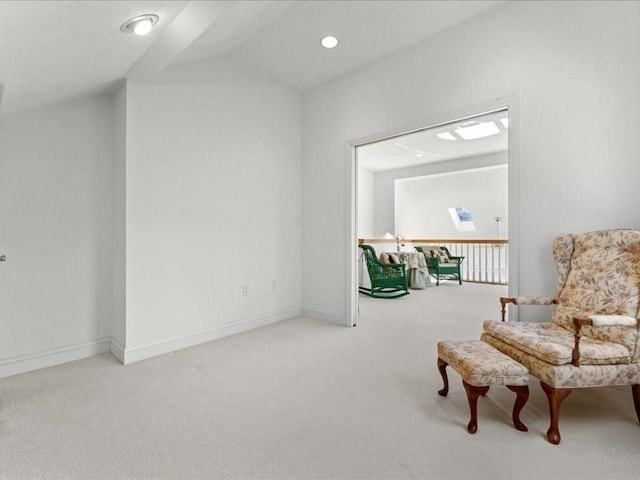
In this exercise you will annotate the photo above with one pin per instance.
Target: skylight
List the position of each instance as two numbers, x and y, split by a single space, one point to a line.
461 217
478 130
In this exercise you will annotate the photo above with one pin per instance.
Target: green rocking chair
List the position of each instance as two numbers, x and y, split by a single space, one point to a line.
388 280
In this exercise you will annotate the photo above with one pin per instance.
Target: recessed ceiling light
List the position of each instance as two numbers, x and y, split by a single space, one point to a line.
329 41
140 25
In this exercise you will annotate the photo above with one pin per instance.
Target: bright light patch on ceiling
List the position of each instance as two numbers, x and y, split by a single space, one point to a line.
446 136
329 41
504 122
143 27
479 130
140 25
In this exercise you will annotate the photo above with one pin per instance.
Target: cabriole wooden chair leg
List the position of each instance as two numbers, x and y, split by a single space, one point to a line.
442 366
555 396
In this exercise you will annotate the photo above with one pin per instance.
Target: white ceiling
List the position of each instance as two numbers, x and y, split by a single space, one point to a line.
55 50
424 146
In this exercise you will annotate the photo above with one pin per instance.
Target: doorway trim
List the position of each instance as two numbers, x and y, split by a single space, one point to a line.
509 103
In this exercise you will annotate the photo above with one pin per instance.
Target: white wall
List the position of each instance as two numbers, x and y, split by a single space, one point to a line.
131 221
573 67
422 203
385 184
212 203
366 203
55 221
119 198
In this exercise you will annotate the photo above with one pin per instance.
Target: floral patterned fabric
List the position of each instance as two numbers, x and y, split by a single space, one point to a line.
598 274
480 364
534 301
411 259
603 279
562 252
554 344
417 271
613 321
568 376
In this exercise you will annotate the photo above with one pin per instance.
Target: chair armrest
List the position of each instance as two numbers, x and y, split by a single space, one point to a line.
457 260
613 321
535 301
577 333
597 321
524 301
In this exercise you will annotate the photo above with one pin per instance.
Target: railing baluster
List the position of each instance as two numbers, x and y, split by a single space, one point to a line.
493 264
499 264
476 261
506 263
466 277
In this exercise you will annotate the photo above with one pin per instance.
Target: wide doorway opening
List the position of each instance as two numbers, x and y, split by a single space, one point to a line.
445 185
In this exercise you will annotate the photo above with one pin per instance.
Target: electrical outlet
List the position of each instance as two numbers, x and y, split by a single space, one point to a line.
245 290
274 285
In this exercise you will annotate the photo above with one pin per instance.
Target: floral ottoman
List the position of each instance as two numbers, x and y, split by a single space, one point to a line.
480 365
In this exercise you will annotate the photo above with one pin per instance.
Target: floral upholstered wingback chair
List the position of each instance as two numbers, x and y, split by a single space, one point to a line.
592 339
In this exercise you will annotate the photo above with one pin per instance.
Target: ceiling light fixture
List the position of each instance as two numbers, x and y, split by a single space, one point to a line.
140 25
479 130
329 41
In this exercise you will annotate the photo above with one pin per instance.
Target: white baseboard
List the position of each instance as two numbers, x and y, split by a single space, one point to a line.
130 355
116 350
49 358
26 363
325 317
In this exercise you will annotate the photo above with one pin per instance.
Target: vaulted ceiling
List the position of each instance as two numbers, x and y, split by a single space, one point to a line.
55 50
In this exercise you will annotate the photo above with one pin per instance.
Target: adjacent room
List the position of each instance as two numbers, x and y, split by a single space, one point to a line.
442 186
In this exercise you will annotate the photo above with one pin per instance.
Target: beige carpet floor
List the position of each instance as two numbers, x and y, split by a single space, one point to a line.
303 399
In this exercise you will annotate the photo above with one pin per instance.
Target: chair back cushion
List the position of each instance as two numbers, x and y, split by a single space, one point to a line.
599 274
562 253
431 251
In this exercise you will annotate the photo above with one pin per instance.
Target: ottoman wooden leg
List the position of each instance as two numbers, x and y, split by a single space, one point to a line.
635 391
442 365
522 395
472 396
